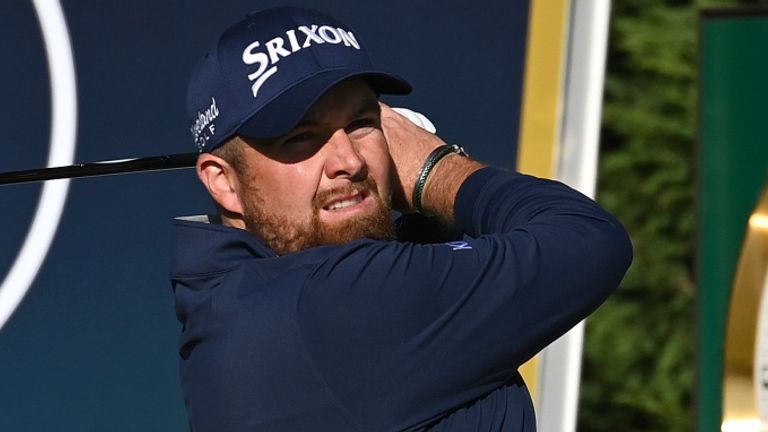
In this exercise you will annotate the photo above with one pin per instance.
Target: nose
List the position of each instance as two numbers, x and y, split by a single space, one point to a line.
343 158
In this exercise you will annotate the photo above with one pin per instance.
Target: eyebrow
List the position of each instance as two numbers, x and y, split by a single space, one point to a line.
370 104
363 106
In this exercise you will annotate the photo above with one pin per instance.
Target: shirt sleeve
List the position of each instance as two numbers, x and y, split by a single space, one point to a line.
430 327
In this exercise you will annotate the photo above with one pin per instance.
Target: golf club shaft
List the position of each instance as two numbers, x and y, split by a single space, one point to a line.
93 169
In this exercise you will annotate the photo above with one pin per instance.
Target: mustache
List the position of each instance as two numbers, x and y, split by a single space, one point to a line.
368 184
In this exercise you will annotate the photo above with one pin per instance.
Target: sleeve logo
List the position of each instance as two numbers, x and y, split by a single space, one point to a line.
458 245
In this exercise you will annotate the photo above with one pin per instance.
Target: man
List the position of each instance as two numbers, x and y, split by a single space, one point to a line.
304 307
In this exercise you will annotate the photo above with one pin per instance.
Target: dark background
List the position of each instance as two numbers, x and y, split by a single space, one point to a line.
93 345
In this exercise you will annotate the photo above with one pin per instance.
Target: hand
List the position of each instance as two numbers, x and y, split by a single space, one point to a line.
409 146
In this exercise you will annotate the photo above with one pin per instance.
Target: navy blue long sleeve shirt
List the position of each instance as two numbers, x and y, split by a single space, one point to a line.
391 335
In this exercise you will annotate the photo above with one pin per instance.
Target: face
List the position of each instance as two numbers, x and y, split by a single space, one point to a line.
327 181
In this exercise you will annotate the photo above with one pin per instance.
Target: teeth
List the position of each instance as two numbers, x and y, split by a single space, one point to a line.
344 203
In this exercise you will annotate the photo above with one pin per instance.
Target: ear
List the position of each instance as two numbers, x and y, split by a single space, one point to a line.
222 183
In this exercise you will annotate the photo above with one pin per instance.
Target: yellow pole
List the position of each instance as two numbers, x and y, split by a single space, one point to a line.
540 123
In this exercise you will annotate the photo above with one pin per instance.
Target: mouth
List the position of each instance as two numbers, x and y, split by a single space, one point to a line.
345 202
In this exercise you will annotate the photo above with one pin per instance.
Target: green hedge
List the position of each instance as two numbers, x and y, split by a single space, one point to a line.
639 366
638 359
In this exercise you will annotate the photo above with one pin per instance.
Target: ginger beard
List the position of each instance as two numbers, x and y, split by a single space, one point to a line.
286 236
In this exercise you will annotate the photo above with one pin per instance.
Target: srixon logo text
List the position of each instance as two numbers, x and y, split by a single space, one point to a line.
295 40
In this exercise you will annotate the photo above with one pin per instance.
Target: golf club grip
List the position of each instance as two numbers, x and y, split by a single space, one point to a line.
93 169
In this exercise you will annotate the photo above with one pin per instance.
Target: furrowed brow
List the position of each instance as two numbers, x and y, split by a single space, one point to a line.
369 105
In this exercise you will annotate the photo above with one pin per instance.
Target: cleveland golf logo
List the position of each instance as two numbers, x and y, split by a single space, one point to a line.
203 128
276 49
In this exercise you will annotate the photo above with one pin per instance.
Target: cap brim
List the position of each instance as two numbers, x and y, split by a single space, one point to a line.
286 110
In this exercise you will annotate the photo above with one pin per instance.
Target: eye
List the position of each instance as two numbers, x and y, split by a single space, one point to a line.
361 125
298 139
298 145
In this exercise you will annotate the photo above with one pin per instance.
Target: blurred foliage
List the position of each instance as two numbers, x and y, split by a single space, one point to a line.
638 360
639 368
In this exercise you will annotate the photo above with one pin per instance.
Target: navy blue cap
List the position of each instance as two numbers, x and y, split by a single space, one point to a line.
265 72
